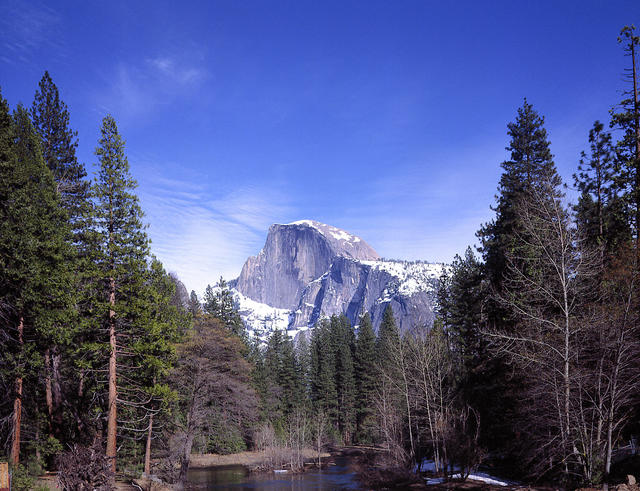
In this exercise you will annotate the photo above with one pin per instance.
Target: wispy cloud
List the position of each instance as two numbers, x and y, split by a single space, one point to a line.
429 210
25 28
136 89
176 71
202 239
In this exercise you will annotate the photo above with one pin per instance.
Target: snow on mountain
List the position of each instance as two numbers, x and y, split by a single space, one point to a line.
260 319
328 230
412 276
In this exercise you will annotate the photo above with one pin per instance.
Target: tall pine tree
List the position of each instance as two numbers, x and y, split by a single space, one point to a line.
366 379
34 282
530 167
123 248
50 118
600 211
627 120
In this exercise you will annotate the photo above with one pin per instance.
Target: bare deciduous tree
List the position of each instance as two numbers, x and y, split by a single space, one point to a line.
210 375
550 288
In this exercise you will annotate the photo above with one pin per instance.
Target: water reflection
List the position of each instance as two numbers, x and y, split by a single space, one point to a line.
334 477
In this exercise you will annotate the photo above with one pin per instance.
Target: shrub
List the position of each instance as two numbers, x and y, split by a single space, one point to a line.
85 469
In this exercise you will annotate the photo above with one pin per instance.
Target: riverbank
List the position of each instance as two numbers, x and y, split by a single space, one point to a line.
248 459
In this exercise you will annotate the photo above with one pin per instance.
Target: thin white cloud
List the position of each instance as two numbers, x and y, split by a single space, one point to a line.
202 239
176 71
25 27
137 89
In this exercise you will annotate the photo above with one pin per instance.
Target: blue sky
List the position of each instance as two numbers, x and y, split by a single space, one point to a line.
387 119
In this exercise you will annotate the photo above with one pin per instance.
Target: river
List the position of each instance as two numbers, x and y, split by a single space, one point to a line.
337 475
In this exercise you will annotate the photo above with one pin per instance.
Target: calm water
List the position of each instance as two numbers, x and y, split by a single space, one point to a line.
235 477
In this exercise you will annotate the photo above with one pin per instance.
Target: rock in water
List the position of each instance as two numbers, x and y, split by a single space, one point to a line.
307 269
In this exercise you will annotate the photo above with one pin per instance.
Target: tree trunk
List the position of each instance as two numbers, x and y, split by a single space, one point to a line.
47 390
186 457
113 389
147 454
636 122
17 405
56 391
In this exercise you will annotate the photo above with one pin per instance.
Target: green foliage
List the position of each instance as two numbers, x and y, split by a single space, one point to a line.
343 341
225 438
195 309
324 393
50 117
460 298
626 119
21 479
283 377
366 379
219 303
600 211
388 338
530 167
50 447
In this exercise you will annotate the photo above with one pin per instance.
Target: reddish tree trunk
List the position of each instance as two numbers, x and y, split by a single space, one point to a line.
56 390
147 454
47 383
17 406
113 389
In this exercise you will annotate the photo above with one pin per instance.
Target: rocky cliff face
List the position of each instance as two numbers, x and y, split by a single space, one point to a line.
307 270
293 256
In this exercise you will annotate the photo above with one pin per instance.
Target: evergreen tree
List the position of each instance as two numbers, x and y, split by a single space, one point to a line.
283 376
460 298
50 118
290 378
218 302
194 305
323 365
123 248
627 120
366 378
34 282
529 173
600 213
388 338
343 346
159 326
531 166
209 303
479 375
303 357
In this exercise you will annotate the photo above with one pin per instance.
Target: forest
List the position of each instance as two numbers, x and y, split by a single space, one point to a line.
532 365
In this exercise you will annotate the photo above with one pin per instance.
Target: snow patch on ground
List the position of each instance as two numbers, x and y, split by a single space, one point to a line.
430 466
486 478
